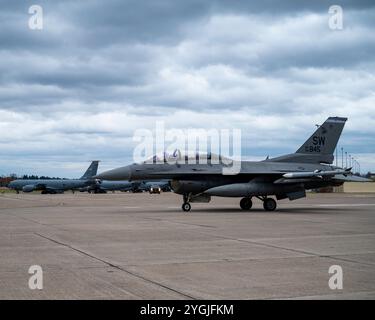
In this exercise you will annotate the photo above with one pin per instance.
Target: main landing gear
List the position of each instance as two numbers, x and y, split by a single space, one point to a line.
269 204
48 192
246 203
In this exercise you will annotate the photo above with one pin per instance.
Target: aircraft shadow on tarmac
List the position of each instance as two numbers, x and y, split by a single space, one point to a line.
295 210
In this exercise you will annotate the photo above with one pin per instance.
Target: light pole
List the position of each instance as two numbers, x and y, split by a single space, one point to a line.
346 159
336 158
342 157
358 168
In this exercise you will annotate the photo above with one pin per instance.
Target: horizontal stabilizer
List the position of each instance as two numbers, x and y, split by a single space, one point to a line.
351 178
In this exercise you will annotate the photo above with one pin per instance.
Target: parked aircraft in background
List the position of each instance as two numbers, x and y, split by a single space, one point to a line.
288 176
155 186
103 186
56 185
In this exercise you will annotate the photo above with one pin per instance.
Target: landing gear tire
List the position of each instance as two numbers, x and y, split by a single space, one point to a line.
269 204
246 203
186 206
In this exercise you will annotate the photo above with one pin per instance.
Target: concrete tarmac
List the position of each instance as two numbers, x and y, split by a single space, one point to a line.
142 246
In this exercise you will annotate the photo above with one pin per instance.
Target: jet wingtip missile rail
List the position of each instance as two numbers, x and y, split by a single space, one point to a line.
316 173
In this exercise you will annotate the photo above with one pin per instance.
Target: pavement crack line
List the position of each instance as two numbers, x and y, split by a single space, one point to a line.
116 266
28 219
297 251
36 222
180 222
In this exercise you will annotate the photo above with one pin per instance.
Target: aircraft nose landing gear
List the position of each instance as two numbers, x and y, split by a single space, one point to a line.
186 206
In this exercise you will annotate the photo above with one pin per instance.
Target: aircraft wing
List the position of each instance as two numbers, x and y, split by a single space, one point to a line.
337 175
246 171
40 186
43 186
351 178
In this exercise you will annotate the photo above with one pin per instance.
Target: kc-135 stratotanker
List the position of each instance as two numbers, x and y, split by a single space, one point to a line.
287 176
56 185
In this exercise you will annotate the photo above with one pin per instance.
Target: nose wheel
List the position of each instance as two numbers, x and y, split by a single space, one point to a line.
186 206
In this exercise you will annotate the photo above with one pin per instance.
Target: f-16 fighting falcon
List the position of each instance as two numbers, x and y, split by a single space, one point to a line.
56 185
288 176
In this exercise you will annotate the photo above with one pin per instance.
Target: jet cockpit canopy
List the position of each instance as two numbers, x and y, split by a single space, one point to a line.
187 157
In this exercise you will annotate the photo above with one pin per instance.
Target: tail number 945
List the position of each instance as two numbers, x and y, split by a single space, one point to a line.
312 149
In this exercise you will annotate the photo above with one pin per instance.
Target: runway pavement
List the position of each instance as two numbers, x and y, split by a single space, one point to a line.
142 246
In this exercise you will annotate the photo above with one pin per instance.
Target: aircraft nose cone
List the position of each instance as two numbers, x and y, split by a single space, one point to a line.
123 173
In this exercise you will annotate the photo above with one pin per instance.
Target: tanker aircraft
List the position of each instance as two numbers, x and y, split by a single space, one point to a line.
56 185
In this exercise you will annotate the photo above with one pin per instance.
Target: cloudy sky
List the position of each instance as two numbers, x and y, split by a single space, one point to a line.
78 89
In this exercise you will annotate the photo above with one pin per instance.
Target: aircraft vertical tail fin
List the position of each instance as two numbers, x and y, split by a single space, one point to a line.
319 148
323 141
91 170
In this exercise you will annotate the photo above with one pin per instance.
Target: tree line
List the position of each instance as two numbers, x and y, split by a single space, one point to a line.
4 180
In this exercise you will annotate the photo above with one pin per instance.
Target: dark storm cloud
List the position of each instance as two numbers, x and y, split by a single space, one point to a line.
94 45
100 69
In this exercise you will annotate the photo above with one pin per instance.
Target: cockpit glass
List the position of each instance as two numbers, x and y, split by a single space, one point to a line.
186 157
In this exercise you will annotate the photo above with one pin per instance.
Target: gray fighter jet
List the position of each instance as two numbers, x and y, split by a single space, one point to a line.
56 185
285 177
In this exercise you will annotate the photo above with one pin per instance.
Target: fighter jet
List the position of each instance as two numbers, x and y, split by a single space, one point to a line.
284 177
56 185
